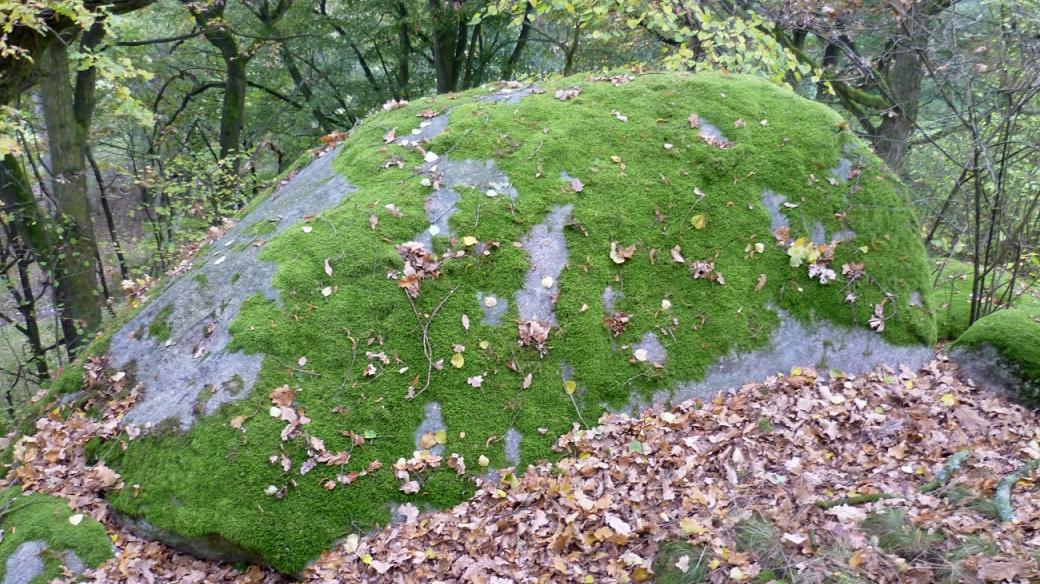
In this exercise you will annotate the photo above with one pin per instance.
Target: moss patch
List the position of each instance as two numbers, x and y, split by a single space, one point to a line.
643 181
159 328
46 518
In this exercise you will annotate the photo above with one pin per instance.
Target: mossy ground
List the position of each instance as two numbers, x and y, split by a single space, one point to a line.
212 479
46 518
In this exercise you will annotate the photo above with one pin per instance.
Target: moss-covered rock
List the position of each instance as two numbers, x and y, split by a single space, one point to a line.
41 534
595 248
1002 351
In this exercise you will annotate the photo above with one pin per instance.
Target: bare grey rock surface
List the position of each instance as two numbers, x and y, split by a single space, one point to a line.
192 372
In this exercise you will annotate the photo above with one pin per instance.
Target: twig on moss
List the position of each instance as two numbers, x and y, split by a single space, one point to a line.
425 325
1003 496
946 472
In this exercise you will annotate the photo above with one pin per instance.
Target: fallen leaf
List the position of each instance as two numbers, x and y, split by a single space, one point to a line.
619 254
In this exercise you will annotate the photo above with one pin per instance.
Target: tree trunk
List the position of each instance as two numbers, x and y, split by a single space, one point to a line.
444 40
124 271
404 53
305 90
28 237
521 41
232 113
75 266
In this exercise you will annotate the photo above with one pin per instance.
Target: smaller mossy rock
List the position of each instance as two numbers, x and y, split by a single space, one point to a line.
952 298
1002 351
593 248
41 535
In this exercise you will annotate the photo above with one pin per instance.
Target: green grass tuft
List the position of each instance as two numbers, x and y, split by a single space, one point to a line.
672 552
896 534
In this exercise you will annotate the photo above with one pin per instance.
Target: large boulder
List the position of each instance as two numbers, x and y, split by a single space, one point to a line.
470 275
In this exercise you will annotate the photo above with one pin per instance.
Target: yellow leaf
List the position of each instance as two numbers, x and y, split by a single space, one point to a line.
569 386
484 345
366 559
691 526
469 240
441 436
698 221
714 564
948 400
457 360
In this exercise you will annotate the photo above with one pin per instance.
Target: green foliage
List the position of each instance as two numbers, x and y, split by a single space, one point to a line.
46 518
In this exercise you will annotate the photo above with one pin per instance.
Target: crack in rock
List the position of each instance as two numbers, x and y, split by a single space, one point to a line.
192 373
546 249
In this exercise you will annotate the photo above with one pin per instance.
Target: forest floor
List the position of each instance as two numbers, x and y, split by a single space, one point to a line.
799 478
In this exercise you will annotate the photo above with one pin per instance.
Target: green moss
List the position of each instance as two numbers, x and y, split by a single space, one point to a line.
201 278
212 479
70 380
159 328
41 517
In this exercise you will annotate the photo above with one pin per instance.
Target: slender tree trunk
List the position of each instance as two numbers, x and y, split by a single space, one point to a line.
29 238
572 50
124 272
405 52
471 55
305 90
76 266
232 113
521 42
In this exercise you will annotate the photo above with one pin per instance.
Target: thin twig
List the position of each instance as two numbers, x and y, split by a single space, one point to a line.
427 349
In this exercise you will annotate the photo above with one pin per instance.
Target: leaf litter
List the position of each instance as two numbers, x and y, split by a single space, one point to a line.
816 457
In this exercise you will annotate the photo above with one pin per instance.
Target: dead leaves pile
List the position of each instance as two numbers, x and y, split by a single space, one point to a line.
419 264
692 473
774 449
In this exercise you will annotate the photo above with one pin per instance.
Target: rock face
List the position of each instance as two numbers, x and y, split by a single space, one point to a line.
470 275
